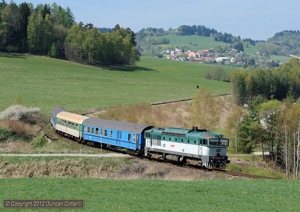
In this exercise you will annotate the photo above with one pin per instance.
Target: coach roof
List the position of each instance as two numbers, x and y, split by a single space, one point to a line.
71 117
116 125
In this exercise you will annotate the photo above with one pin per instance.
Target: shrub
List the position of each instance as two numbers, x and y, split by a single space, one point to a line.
21 113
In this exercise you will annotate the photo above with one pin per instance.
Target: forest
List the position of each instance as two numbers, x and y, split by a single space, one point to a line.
271 119
52 30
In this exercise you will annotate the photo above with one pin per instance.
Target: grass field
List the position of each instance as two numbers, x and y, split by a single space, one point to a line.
192 42
153 195
44 82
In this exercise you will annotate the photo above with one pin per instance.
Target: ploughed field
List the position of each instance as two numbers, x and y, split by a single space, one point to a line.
45 83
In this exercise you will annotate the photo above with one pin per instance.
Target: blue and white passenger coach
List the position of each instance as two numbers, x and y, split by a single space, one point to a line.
115 133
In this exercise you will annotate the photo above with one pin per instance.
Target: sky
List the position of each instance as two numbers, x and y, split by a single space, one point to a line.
255 19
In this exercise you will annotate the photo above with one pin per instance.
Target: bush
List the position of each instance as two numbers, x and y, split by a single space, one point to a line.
39 141
21 113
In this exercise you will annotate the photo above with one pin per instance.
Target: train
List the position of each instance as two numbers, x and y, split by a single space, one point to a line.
193 146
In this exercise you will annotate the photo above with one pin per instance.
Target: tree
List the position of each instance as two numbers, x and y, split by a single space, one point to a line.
74 43
291 125
9 27
269 116
239 47
206 110
238 80
92 46
24 13
232 125
53 51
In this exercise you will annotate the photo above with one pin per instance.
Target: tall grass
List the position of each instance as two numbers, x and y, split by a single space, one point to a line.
176 114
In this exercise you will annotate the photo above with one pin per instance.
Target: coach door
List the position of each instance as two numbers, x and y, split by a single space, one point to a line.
119 136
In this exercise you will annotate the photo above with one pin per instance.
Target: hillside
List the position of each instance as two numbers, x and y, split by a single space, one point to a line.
44 82
157 42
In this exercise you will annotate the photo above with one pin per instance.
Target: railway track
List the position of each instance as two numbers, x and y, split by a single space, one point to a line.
53 137
231 173
239 174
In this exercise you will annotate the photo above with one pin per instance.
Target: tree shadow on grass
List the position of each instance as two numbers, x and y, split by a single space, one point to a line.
126 68
12 55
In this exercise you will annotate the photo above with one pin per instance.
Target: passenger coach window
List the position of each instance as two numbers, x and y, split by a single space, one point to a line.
134 138
89 130
111 133
97 131
93 130
129 137
85 129
105 132
100 132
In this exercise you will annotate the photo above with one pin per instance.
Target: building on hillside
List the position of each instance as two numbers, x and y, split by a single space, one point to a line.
222 59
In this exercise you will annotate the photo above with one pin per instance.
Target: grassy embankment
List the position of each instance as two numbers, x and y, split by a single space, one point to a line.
153 195
45 83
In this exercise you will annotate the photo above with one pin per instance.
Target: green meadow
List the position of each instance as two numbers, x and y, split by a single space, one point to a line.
45 83
192 42
155 195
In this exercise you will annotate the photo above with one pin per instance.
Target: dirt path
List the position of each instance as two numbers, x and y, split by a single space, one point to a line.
67 155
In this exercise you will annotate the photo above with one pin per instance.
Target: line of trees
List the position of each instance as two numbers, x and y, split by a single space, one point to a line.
51 30
208 32
268 83
88 44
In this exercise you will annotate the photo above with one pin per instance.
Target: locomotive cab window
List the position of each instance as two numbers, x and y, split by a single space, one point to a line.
214 142
224 142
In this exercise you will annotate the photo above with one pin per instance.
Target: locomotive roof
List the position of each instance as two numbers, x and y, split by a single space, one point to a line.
117 125
190 133
71 117
57 110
